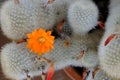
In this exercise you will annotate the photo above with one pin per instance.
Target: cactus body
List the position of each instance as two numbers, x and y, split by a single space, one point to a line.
109 54
16 57
19 19
67 52
83 16
110 57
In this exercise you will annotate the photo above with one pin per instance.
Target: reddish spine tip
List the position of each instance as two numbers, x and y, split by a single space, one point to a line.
109 39
23 40
50 72
60 25
101 25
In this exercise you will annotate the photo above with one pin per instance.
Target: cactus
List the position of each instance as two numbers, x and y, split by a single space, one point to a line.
72 48
16 57
22 18
109 57
109 52
48 17
83 16
69 53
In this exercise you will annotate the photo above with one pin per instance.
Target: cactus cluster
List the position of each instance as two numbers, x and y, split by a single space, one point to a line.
79 42
16 58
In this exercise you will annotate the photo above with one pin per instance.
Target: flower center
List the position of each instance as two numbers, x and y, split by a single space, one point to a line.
41 39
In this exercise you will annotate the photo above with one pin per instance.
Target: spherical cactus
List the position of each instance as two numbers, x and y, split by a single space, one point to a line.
83 16
109 46
16 59
109 56
24 17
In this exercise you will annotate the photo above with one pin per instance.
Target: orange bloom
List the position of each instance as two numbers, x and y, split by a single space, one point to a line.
40 41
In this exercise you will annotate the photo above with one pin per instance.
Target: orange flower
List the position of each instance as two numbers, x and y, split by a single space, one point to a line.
40 41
